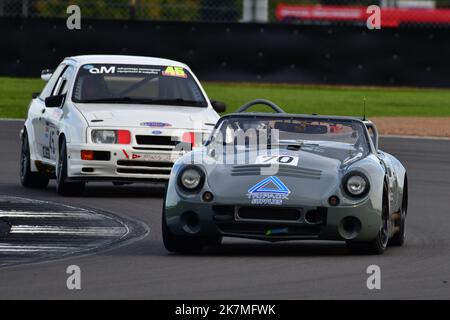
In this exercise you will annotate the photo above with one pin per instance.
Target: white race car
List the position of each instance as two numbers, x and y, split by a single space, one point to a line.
121 119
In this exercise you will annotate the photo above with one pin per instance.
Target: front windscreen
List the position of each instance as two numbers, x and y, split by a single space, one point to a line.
328 137
141 84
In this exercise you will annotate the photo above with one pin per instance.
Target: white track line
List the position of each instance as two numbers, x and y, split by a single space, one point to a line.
414 137
36 248
12 120
28 214
88 231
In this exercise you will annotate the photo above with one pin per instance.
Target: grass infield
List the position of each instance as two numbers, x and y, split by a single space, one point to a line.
15 95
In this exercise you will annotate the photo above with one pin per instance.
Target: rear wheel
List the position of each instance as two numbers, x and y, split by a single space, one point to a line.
28 178
63 187
379 244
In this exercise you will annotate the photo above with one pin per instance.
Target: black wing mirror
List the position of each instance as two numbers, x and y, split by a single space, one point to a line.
54 101
34 95
218 106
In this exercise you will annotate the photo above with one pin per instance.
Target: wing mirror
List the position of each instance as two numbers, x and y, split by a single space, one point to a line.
218 106
34 95
46 74
54 101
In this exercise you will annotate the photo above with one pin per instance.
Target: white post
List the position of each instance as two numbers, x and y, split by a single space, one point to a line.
261 11
247 11
25 8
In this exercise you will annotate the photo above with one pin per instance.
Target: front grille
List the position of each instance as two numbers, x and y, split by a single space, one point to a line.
131 163
283 170
142 171
261 230
269 213
144 167
156 140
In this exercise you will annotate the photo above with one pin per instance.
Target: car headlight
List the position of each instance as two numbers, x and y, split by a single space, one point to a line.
191 178
356 184
111 136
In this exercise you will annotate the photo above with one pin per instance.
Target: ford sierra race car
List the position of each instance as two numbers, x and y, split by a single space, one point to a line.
121 119
279 176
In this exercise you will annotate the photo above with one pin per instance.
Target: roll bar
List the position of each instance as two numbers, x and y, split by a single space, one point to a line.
268 103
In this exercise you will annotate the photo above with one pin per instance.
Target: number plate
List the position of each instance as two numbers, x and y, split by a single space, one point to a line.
153 157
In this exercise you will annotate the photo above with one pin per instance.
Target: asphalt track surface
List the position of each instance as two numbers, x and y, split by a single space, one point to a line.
243 269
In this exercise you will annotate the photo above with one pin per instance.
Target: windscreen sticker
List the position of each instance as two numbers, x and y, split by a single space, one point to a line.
270 191
174 72
112 69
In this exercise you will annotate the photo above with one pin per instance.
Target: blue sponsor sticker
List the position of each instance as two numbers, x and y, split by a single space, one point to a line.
156 132
155 124
276 231
270 191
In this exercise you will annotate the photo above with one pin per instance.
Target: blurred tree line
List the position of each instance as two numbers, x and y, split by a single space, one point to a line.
180 10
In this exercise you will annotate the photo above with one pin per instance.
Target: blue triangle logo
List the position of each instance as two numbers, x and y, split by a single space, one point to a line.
270 185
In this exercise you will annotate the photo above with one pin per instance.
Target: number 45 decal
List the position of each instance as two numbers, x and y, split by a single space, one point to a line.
282 159
174 72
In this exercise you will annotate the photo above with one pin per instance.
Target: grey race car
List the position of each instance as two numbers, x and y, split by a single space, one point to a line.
279 176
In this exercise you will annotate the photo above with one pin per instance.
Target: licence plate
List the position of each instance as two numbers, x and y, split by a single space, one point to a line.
153 157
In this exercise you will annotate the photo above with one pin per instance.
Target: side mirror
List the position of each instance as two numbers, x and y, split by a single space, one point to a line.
218 106
46 74
34 95
54 101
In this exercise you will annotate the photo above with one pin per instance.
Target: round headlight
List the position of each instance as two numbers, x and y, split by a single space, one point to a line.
104 136
356 184
191 178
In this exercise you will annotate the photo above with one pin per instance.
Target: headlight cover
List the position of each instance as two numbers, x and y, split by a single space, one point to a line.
104 136
191 178
356 184
111 136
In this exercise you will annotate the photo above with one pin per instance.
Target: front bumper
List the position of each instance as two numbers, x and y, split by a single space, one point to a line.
336 225
124 164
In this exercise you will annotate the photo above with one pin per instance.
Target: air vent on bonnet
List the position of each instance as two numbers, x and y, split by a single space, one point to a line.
283 170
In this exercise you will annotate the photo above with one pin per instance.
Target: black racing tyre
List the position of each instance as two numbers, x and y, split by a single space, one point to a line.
379 244
184 244
63 187
28 178
399 237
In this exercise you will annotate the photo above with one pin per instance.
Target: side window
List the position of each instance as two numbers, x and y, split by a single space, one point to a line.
51 83
62 84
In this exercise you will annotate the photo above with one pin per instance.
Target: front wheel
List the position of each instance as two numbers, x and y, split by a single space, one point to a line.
63 187
379 244
399 237
28 178
185 244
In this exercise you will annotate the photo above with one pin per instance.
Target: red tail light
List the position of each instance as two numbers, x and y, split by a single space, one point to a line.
123 137
189 137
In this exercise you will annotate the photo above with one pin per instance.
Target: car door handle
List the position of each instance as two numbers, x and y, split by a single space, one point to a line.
43 110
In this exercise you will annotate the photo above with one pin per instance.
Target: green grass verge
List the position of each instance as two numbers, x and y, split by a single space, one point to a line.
15 95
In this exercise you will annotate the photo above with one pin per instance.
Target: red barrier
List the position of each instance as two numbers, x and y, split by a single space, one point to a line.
390 17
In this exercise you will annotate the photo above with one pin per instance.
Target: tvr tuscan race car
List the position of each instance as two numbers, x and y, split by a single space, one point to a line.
122 119
279 176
